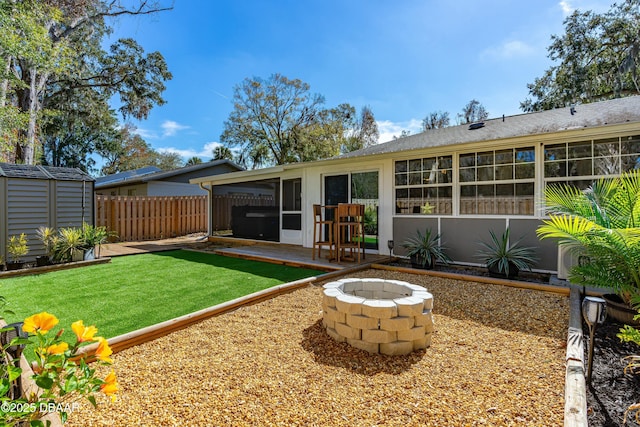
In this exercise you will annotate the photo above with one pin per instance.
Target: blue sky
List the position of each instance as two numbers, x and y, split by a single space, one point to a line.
402 58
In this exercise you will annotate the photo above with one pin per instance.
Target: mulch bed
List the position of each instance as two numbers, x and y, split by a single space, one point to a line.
611 391
494 361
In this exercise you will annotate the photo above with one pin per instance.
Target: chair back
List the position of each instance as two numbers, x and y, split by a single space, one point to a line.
317 213
350 212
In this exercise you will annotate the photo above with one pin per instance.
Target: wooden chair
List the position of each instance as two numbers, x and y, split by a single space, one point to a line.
349 231
322 231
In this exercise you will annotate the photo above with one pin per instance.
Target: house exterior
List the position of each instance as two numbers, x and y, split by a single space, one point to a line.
460 181
151 181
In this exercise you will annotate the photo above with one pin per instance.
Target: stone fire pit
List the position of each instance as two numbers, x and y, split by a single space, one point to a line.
380 316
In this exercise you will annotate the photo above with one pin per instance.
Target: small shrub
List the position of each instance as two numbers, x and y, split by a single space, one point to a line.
17 247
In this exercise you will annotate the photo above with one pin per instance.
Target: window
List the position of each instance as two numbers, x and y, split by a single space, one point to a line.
292 194
292 202
497 182
424 186
581 163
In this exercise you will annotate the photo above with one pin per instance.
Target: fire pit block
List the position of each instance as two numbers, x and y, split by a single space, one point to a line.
379 316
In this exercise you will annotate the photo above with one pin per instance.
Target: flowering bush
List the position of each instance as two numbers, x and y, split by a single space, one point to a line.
62 372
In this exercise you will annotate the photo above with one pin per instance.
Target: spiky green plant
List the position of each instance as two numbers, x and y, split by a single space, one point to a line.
503 255
602 223
48 237
426 248
69 242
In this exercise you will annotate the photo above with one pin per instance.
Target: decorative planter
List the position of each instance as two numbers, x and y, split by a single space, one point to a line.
416 262
15 265
42 260
77 256
618 310
90 254
495 272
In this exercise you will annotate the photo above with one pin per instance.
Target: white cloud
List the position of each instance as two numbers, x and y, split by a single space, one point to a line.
144 133
566 7
170 128
509 49
389 129
205 153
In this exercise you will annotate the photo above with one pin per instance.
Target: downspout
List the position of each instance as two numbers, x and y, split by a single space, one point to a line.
210 205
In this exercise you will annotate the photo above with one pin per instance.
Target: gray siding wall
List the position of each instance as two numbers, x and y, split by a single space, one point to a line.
30 203
71 207
461 236
27 209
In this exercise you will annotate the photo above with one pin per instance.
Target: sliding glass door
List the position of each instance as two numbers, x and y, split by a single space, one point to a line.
361 188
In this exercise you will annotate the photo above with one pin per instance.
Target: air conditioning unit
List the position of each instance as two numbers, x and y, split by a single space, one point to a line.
566 260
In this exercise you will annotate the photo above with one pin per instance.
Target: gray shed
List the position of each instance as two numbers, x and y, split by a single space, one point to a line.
34 196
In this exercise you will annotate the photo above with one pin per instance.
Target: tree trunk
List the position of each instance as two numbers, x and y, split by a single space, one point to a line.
36 86
5 83
29 147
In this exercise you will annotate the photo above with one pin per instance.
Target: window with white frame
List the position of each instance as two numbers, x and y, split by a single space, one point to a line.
583 162
497 182
424 186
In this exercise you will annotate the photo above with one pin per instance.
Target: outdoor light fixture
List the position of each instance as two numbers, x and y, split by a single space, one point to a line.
390 246
594 311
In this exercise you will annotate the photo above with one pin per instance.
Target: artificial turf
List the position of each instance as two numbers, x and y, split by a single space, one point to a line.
136 291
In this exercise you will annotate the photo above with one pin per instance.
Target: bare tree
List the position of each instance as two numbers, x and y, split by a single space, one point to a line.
435 120
474 111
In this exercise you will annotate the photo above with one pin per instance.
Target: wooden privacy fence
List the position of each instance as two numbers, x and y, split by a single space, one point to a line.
137 218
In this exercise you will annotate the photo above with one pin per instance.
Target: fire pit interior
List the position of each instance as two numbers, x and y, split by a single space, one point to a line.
380 316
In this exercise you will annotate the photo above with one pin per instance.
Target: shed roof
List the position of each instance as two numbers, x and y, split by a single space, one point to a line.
126 175
10 170
146 175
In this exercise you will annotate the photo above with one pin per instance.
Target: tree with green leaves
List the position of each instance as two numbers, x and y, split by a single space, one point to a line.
128 151
195 160
596 58
278 121
221 152
60 49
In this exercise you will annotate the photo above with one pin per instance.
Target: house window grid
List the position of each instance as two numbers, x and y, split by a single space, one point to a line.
497 182
580 163
424 186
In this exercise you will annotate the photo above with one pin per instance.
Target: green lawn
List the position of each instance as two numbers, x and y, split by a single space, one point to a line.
136 291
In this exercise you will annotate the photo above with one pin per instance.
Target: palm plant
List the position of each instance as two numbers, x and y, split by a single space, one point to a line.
425 249
504 258
602 223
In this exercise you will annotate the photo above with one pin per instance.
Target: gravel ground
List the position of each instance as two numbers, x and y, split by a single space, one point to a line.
494 361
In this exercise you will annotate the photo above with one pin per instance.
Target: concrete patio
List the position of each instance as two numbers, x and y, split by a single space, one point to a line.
242 248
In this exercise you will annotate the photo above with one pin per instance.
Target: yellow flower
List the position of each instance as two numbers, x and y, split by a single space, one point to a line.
83 333
58 348
110 386
41 322
103 351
